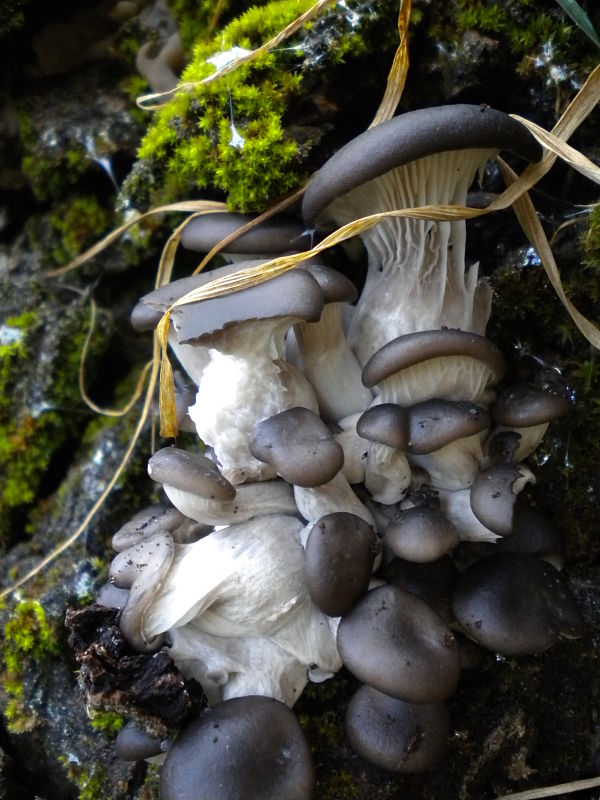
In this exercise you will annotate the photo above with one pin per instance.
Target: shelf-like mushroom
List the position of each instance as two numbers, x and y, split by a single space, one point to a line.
416 277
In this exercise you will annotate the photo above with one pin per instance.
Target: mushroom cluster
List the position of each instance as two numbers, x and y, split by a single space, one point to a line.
356 502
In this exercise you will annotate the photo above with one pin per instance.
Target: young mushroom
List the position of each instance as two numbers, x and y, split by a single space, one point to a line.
247 379
396 735
416 277
515 604
195 486
249 747
528 410
396 643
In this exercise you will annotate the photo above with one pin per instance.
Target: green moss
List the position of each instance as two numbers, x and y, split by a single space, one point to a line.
78 223
28 639
93 784
591 239
109 722
230 134
29 440
12 15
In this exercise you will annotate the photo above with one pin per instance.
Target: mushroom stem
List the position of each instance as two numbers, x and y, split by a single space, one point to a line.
331 366
337 495
416 278
251 500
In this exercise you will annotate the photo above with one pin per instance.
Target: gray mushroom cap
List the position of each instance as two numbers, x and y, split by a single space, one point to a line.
189 472
300 447
421 534
339 556
525 405
336 288
152 559
532 535
433 424
493 496
295 294
145 524
394 734
133 744
249 747
413 348
515 604
396 643
432 582
148 311
411 136
386 423
273 236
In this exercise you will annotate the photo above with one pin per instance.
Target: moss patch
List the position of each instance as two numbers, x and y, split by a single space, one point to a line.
29 641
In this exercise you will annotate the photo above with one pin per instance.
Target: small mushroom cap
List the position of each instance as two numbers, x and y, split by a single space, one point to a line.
432 582
525 405
134 744
394 734
411 136
294 294
386 423
421 534
493 496
189 472
145 524
150 308
396 643
515 604
340 551
532 535
433 424
336 288
271 237
249 747
300 447
413 348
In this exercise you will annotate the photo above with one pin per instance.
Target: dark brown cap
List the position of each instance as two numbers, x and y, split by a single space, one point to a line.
494 493
386 423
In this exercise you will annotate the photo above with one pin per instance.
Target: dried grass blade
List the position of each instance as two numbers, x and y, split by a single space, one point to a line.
190 205
580 106
569 154
527 216
553 791
397 77
107 412
48 559
147 101
270 212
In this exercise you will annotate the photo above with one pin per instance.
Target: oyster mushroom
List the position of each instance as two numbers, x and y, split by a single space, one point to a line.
396 643
515 604
394 734
195 486
416 277
247 379
245 747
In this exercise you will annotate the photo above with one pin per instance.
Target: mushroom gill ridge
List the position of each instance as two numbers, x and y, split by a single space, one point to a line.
281 561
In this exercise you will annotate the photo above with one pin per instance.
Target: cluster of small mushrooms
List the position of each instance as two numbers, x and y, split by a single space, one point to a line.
352 448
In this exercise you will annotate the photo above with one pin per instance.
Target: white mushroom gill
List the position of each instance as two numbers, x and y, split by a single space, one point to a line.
331 366
416 278
237 605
